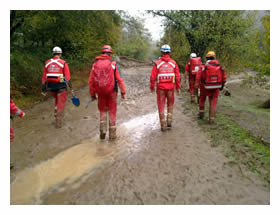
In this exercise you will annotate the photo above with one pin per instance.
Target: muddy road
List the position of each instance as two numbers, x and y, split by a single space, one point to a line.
142 166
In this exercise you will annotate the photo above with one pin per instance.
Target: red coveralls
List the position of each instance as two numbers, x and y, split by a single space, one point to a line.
165 90
107 103
14 111
58 90
191 78
212 94
193 90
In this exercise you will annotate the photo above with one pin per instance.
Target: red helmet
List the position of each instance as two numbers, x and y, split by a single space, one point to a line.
106 48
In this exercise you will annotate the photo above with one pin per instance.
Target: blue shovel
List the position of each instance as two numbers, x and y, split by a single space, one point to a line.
76 101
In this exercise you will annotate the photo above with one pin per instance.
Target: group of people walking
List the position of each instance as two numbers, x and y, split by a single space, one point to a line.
205 80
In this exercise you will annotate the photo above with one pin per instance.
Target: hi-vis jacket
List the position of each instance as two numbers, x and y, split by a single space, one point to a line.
56 73
166 73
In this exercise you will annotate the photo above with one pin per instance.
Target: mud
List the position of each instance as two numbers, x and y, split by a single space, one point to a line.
142 166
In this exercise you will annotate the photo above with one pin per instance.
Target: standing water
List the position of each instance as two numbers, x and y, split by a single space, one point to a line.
73 166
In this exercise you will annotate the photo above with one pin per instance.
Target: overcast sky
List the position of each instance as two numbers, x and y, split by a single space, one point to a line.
153 24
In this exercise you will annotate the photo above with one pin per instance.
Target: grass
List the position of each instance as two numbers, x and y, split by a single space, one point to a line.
238 144
243 106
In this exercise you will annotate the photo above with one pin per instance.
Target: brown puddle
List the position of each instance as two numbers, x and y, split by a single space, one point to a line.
74 165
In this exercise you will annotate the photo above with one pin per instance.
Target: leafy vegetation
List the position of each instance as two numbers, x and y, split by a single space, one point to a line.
80 34
233 35
135 42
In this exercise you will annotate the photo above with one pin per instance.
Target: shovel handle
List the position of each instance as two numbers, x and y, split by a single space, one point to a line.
91 100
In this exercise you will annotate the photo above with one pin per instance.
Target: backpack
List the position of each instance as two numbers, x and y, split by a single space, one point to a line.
195 65
213 74
104 77
165 72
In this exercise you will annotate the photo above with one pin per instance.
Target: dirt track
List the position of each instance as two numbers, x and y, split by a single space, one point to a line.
143 166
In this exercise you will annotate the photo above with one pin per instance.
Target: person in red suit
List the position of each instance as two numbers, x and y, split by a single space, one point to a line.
166 76
14 111
105 78
192 68
211 80
56 78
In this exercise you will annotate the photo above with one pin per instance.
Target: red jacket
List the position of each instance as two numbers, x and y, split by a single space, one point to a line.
14 110
155 72
118 77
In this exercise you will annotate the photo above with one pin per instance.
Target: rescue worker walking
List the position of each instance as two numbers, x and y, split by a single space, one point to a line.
212 79
192 68
105 77
14 111
166 73
55 78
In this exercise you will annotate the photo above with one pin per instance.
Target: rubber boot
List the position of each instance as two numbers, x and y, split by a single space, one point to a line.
192 98
169 120
103 127
55 111
198 96
169 116
201 114
112 132
58 119
211 117
163 123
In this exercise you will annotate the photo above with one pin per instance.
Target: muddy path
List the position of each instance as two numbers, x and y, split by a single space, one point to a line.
142 166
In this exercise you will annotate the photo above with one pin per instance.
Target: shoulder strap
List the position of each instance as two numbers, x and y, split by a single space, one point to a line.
116 83
222 72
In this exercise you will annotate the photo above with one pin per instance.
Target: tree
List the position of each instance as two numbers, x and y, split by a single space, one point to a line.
221 31
136 40
80 34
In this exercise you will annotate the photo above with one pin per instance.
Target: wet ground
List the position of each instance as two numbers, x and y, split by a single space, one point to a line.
244 107
142 166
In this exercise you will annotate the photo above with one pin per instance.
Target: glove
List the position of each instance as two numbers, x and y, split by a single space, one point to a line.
22 114
152 90
178 91
123 95
93 97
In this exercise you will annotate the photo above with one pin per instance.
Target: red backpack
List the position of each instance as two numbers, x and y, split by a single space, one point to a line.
213 76
104 77
195 65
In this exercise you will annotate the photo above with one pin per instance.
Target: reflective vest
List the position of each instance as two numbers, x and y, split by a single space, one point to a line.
55 73
166 72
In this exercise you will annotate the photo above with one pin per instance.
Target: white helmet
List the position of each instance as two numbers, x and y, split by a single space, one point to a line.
165 48
193 55
57 50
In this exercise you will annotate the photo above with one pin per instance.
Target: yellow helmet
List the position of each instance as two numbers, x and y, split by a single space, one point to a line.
211 54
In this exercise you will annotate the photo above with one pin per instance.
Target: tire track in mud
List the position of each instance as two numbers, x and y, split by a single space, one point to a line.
144 165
